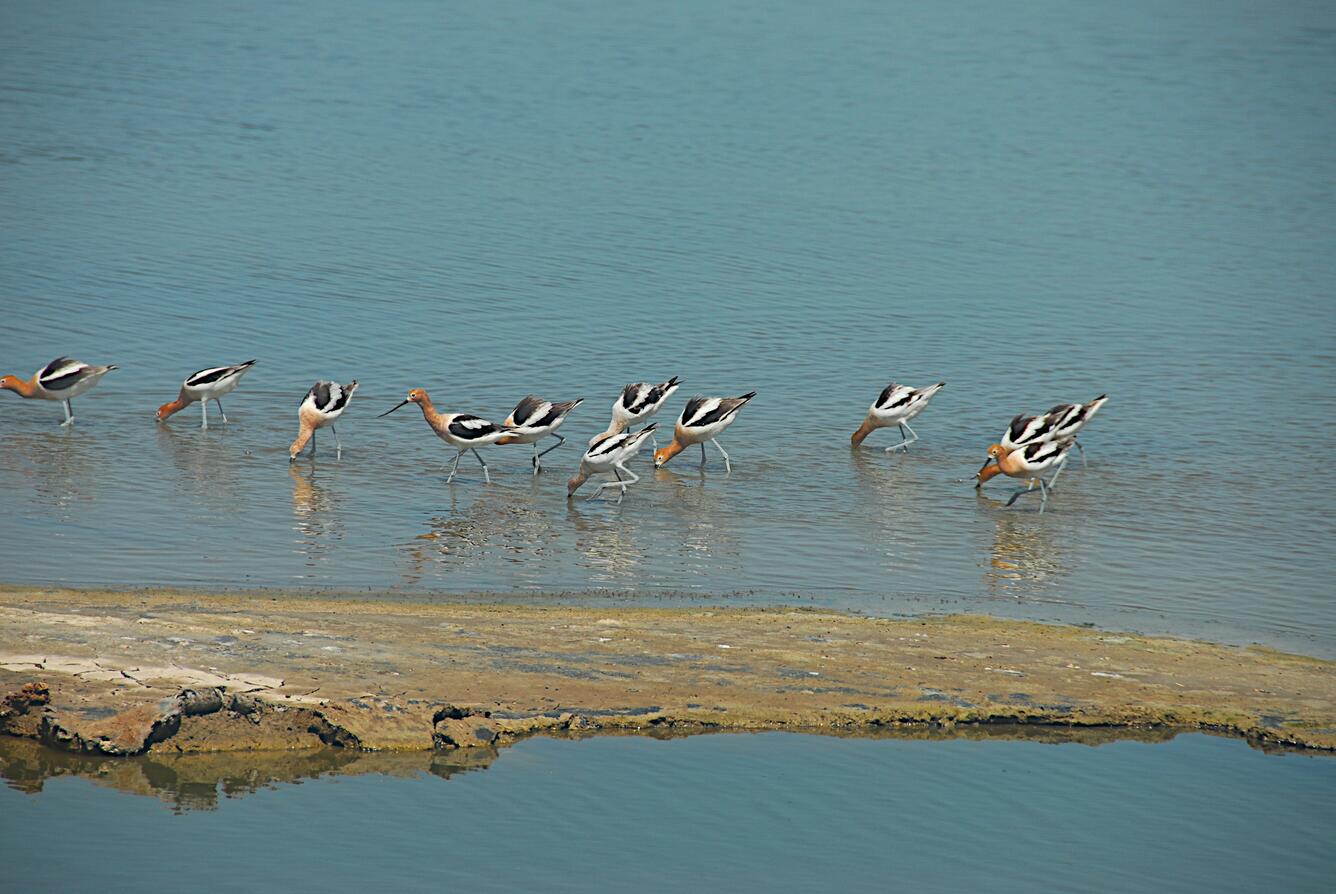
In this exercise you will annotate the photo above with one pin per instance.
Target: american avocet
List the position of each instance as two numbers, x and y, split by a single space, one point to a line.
1027 462
609 453
702 420
534 419
461 431
1059 424
637 402
204 386
896 405
62 379
322 406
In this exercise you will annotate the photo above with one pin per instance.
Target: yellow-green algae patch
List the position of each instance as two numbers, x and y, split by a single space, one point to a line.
158 672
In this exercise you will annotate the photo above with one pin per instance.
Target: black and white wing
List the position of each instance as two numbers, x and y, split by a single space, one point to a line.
701 412
893 397
62 373
641 396
330 397
536 413
216 374
472 428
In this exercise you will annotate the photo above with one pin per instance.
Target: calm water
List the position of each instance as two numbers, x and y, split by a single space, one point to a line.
776 812
1034 202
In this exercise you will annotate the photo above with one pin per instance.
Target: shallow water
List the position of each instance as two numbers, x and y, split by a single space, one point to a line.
772 812
1034 204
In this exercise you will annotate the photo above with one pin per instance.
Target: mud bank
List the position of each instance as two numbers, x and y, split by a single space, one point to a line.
118 674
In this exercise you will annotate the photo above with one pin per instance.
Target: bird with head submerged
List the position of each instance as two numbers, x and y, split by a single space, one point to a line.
702 420
204 386
609 453
323 405
62 379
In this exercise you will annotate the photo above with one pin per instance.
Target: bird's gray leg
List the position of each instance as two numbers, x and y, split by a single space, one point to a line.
313 431
1053 482
605 484
1043 500
476 455
455 467
906 440
204 410
654 440
536 466
560 441
220 409
1017 495
728 467
69 414
338 447
702 454
1080 450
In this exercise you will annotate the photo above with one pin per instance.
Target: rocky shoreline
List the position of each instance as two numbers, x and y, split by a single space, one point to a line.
172 673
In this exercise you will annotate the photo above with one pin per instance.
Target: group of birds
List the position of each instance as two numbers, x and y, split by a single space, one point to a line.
1030 447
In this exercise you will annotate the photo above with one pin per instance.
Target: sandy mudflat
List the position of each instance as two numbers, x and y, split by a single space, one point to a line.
168 672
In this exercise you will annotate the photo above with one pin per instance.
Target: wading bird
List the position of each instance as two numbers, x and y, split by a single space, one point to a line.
534 419
204 386
322 406
609 453
1059 424
702 420
637 402
62 379
1027 462
461 431
896 405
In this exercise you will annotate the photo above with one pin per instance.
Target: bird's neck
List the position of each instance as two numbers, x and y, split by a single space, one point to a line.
175 406
21 387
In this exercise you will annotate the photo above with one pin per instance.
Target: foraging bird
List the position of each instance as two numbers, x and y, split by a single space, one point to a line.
896 405
204 386
62 379
637 402
534 419
609 453
1058 424
461 431
1027 462
702 420
322 406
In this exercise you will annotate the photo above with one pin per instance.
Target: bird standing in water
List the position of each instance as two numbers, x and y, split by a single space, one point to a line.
461 431
62 379
534 419
702 420
204 386
321 407
609 453
637 402
1027 463
896 405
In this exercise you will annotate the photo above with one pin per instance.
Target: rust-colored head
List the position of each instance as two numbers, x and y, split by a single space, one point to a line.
171 407
663 454
9 383
992 465
995 451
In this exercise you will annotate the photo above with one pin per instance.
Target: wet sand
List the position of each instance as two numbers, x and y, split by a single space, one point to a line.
117 673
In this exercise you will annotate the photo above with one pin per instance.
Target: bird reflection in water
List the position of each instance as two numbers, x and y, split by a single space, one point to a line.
606 536
208 465
707 540
61 468
886 493
1028 552
316 517
483 528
